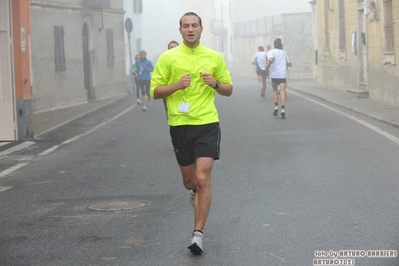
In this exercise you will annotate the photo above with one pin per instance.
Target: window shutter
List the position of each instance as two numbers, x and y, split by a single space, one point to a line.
59 47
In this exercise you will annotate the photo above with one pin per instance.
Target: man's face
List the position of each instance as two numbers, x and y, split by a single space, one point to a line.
143 55
190 30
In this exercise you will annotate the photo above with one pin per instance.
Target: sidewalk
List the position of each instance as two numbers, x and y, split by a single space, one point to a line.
47 121
383 112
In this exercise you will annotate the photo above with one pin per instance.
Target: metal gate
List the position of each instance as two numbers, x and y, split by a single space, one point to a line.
7 100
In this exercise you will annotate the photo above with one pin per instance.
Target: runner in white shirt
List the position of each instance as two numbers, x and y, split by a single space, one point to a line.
260 61
279 61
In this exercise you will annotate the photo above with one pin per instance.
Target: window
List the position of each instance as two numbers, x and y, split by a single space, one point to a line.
326 33
59 47
110 46
138 6
342 40
388 27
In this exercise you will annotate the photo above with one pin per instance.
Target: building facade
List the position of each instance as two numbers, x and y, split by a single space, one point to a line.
15 74
221 27
78 52
63 53
357 46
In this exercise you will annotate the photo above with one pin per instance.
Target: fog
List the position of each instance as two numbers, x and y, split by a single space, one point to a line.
160 19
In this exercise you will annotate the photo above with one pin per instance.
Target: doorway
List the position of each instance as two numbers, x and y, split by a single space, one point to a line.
87 63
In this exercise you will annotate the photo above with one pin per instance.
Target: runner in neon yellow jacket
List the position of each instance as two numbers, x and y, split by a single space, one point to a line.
201 64
188 76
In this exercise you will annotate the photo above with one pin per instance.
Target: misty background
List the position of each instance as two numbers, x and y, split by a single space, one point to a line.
160 19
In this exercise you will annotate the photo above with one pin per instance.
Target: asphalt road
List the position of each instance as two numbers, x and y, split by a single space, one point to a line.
284 191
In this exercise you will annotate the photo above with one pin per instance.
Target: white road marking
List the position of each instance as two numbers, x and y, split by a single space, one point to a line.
360 121
19 147
12 169
50 150
2 188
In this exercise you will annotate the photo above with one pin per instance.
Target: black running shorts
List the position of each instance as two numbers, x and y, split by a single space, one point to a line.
262 73
279 81
192 142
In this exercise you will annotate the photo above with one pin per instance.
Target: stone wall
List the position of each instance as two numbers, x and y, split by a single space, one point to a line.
296 32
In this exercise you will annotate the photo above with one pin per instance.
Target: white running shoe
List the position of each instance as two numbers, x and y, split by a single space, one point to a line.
196 242
144 108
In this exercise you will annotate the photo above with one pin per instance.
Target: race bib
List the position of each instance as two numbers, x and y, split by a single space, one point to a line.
184 108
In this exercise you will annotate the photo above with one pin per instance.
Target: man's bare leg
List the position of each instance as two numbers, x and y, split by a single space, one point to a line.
283 86
275 98
197 176
262 85
283 96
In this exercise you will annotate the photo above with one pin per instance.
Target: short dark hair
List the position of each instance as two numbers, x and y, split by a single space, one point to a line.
261 48
278 44
171 43
191 14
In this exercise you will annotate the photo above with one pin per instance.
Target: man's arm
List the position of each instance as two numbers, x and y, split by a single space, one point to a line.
254 58
150 66
271 60
224 89
163 91
289 63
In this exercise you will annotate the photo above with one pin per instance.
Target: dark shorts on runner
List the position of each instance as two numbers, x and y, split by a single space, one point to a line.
279 81
262 73
191 142
144 86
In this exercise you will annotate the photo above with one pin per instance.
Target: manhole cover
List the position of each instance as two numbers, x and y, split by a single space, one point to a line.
116 206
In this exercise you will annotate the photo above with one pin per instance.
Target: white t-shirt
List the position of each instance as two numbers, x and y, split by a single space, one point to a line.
278 69
260 58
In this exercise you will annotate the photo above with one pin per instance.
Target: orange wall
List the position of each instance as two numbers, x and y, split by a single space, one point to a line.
21 19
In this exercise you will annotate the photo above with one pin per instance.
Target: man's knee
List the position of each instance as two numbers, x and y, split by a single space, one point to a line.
203 181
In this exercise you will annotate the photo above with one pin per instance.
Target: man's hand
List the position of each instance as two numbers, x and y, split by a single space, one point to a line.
208 79
184 82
